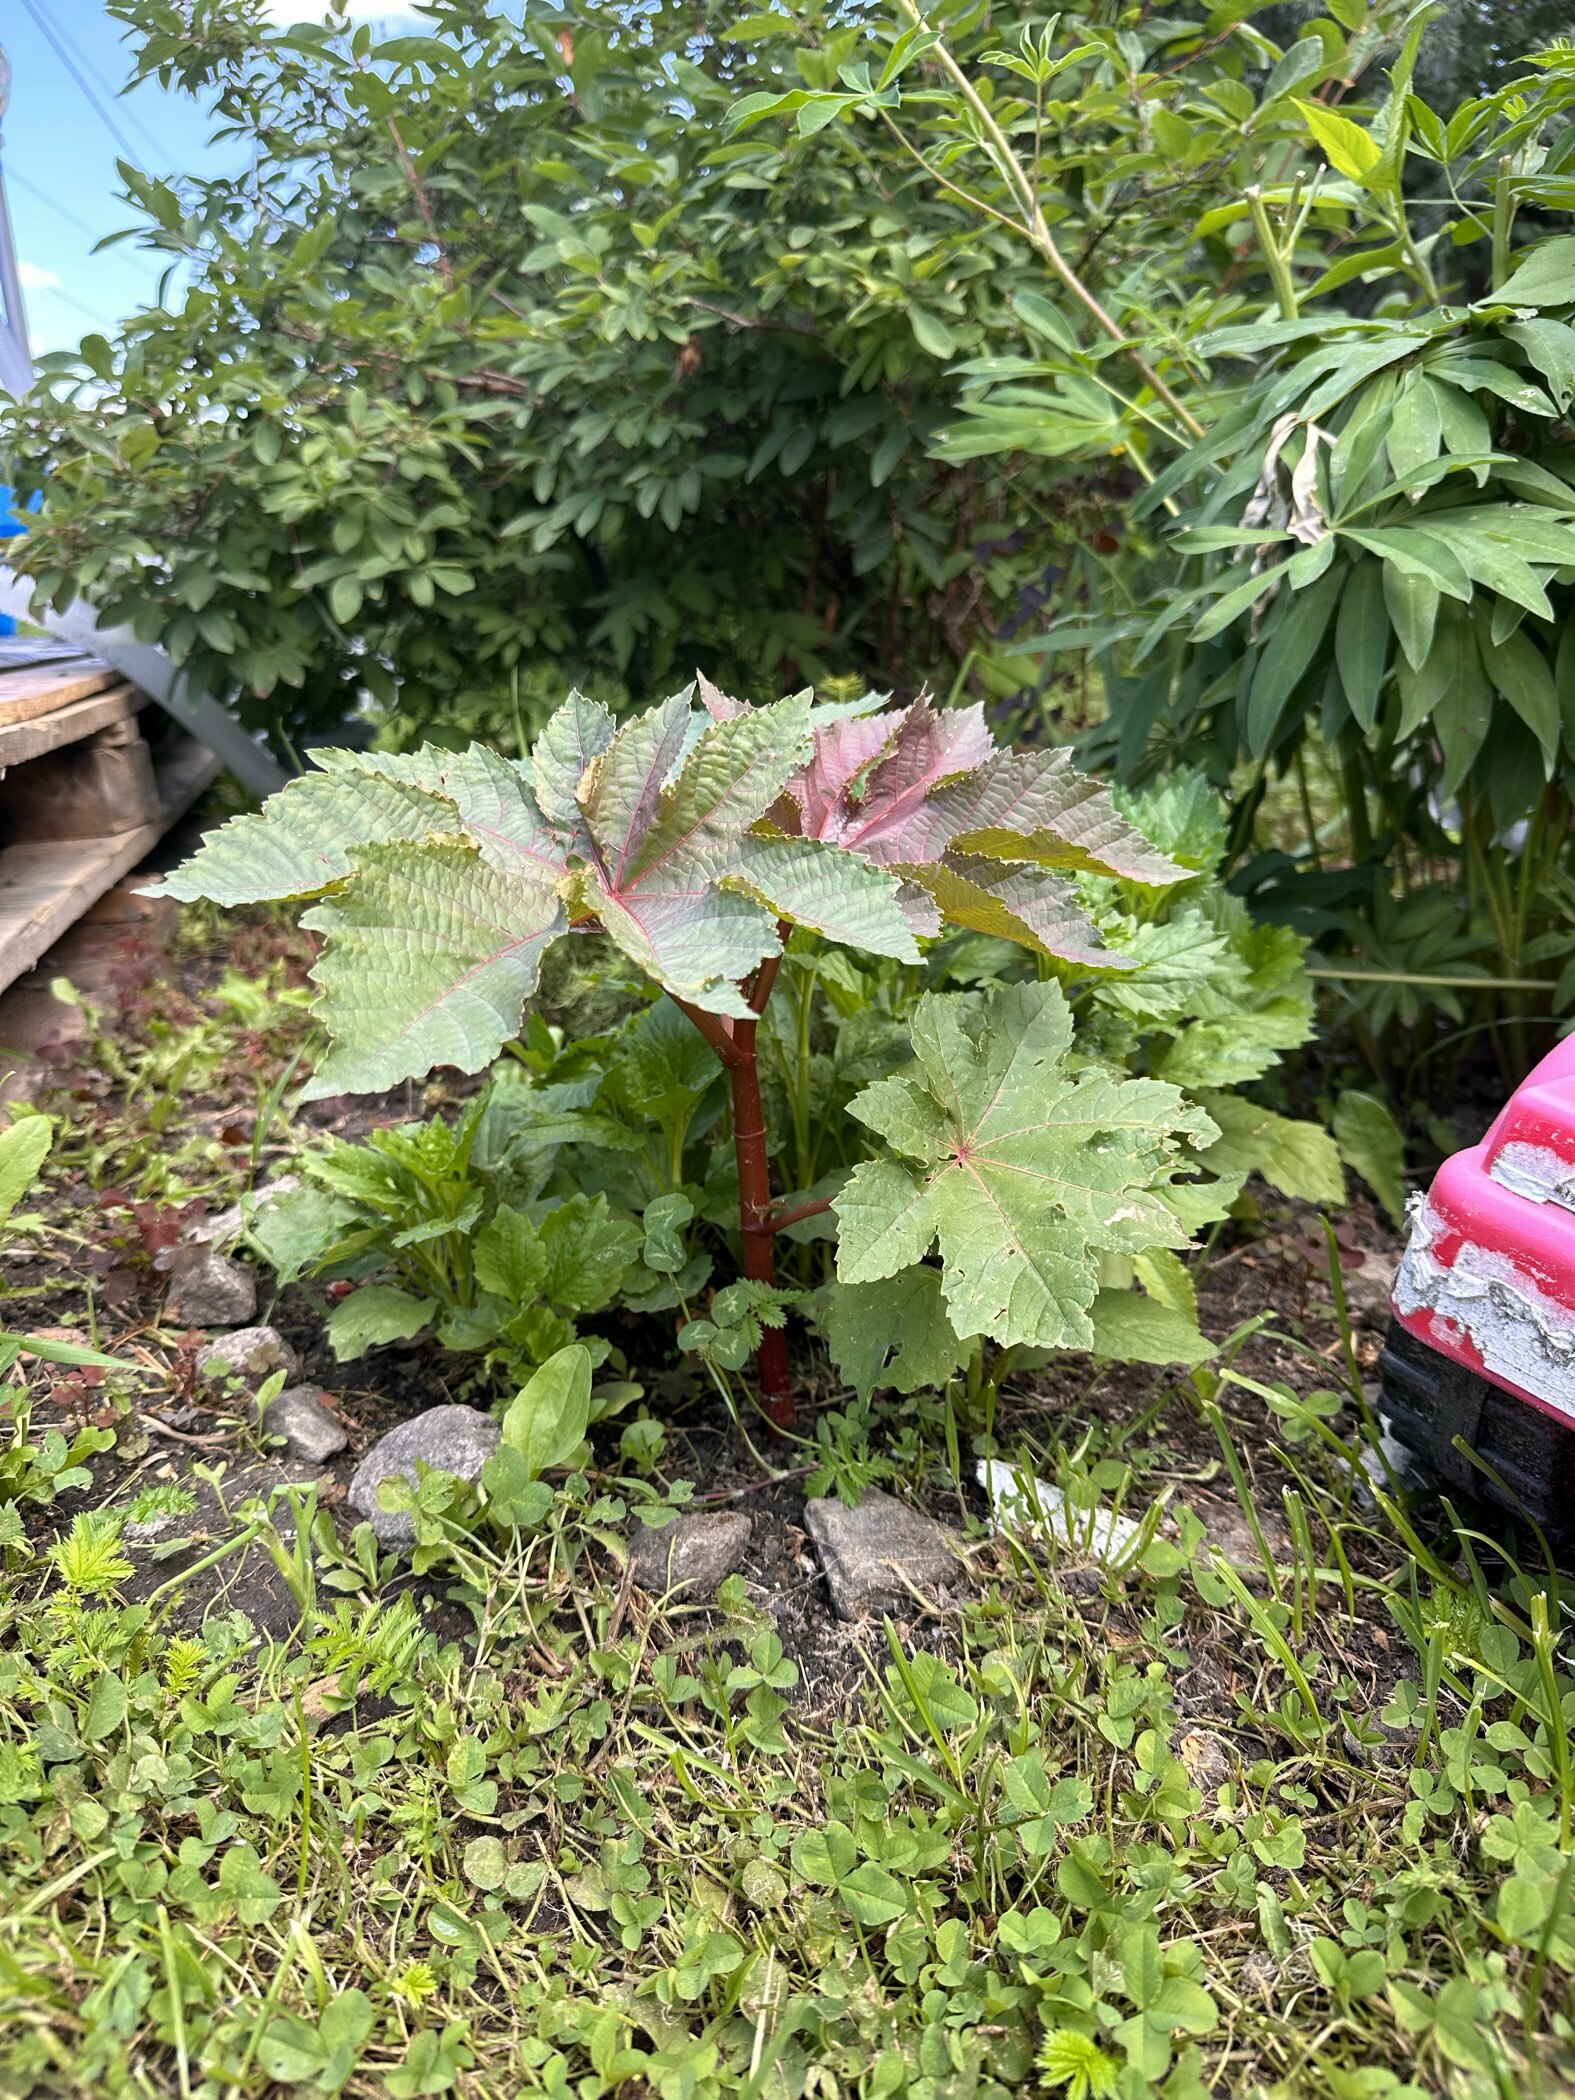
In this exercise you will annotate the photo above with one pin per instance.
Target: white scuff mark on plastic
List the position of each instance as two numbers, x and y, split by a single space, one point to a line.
1520 1333
1022 1503
1536 1172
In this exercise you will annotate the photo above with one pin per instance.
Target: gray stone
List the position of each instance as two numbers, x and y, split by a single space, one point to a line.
310 1430
877 1555
455 1439
212 1291
246 1356
693 1555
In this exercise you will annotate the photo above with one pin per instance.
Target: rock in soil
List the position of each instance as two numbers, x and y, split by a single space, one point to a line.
456 1439
693 1555
211 1291
874 1557
310 1430
247 1356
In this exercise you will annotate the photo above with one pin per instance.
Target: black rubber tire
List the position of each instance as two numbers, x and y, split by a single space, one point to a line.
1430 1400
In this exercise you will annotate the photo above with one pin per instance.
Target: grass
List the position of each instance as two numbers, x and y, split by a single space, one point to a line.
1298 1823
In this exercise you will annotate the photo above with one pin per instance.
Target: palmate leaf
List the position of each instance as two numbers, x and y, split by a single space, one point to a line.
925 792
1020 1170
688 835
431 956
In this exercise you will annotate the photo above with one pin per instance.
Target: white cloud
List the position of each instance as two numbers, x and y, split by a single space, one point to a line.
36 280
287 11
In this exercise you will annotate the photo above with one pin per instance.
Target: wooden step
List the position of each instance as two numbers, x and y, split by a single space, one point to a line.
45 887
39 689
67 724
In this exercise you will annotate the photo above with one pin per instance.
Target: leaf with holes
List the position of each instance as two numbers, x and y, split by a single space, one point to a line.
1020 1169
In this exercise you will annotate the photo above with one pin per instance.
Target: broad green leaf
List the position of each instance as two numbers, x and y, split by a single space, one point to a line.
828 889
431 954
106 1708
1370 1142
1041 912
1550 345
509 1257
931 333
376 1313
298 1231
1521 672
587 1250
1039 1171
302 840
547 1419
1411 603
1347 147
1036 806
1301 622
1416 427
893 1333
1166 1277
23 1145
1299 1159
1545 277
1132 1329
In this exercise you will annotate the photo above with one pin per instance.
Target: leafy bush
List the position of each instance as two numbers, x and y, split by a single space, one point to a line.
693 839
445 1210
550 378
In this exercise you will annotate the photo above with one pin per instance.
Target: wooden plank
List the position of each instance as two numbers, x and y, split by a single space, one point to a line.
40 688
20 741
44 889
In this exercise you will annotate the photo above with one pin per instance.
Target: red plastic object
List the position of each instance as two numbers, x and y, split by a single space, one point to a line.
1488 1278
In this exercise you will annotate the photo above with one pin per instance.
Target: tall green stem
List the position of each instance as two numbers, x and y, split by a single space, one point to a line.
1017 180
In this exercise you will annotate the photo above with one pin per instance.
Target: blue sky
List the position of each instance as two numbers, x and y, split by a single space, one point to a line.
60 153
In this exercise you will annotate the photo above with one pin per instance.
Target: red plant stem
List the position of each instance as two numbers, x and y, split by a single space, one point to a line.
759 1225
784 1218
734 1043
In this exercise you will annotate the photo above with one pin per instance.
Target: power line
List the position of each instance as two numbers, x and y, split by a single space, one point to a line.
41 22
89 68
131 262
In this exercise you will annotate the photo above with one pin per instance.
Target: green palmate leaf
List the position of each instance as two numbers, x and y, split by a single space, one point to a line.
893 1333
431 956
1299 1159
1132 1329
686 836
302 841
1019 1170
